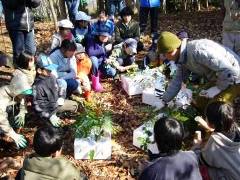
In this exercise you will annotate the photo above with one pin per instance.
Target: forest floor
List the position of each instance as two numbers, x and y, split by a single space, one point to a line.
128 112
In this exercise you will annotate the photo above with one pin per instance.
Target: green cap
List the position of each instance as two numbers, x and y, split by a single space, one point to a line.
167 42
27 92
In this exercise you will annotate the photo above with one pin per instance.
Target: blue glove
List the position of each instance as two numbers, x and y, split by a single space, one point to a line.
56 122
20 119
20 141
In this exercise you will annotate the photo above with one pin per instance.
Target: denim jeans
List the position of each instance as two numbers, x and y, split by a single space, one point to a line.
67 86
22 41
99 65
144 12
115 6
72 6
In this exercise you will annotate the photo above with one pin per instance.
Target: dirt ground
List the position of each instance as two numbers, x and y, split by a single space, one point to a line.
128 112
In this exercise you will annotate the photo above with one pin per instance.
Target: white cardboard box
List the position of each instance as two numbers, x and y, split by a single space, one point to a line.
149 97
140 133
131 87
84 146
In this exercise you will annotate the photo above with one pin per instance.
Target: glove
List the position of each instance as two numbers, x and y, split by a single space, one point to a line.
79 38
20 119
60 101
20 140
56 122
211 92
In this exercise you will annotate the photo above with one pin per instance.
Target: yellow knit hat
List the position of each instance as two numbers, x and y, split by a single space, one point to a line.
167 42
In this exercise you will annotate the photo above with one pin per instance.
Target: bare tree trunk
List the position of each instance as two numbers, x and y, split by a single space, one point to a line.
62 8
54 16
164 7
206 3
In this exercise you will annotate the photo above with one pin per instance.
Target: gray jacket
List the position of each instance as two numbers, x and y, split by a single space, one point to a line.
18 14
205 58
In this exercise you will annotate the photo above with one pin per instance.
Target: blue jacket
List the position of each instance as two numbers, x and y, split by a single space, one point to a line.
99 26
150 3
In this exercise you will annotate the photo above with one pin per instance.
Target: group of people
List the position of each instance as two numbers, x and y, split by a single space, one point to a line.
83 51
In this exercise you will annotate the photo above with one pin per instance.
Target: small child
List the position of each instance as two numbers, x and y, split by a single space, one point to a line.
46 162
172 163
84 66
65 27
123 55
103 24
82 27
19 87
221 154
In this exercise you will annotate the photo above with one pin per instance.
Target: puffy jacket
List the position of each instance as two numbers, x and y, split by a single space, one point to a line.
84 66
18 14
150 3
99 26
231 21
206 58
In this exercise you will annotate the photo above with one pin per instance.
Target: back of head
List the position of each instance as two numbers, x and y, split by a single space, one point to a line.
168 134
68 45
221 116
47 140
23 60
127 11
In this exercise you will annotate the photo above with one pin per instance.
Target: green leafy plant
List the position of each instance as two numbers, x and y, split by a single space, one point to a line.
93 122
91 154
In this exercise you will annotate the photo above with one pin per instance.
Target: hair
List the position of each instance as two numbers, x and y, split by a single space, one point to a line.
68 45
22 61
168 134
221 115
47 140
127 11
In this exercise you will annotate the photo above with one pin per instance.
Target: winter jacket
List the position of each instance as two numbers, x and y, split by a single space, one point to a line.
123 31
67 67
222 156
57 40
37 167
206 58
95 48
18 14
45 95
149 3
18 84
100 26
84 66
231 21
180 166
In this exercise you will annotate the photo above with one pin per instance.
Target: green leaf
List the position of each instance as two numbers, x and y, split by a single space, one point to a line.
91 154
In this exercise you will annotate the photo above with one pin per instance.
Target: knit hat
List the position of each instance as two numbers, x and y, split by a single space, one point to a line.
65 23
82 16
80 49
167 42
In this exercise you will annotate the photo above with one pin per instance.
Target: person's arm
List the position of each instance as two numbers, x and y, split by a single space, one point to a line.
118 38
73 69
175 85
93 49
136 31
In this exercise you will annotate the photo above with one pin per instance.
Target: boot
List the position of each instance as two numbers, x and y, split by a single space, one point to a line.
97 87
88 96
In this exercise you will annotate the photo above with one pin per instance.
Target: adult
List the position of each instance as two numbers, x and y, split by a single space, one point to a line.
231 25
20 24
218 64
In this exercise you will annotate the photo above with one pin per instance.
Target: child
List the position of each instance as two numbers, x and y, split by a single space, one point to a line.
67 67
19 87
206 58
103 24
95 48
46 93
221 154
82 27
65 27
114 7
123 55
149 7
84 66
127 28
46 162
172 162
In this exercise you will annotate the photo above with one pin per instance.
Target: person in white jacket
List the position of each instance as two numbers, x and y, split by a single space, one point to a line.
221 154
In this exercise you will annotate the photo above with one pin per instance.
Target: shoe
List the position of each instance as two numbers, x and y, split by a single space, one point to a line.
97 87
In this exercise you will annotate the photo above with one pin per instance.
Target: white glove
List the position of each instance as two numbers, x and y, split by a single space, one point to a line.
56 122
20 140
60 101
108 47
211 92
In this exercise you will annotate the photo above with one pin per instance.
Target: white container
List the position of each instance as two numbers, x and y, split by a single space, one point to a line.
149 97
130 85
140 133
102 148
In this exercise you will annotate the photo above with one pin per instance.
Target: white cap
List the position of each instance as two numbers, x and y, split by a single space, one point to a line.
82 16
65 23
